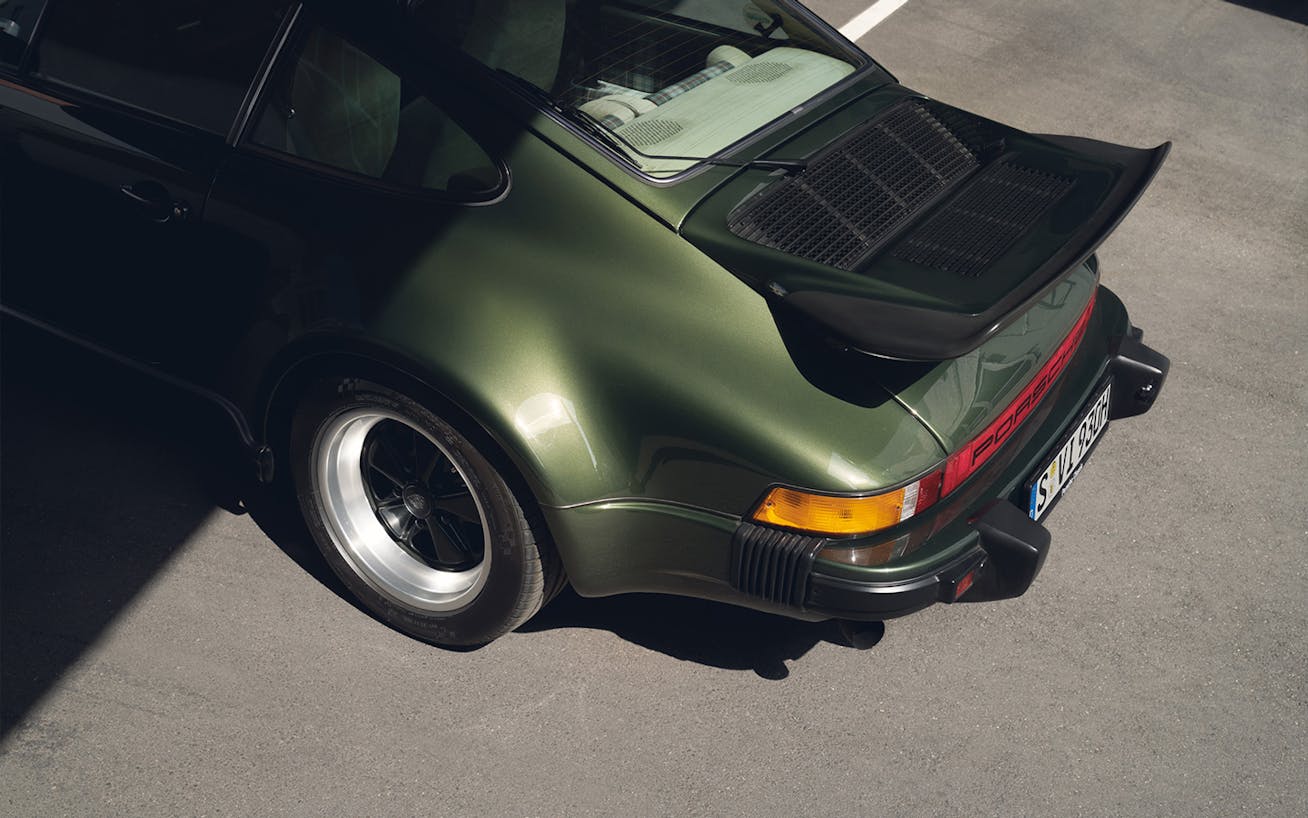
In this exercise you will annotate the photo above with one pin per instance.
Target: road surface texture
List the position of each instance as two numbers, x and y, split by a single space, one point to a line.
163 655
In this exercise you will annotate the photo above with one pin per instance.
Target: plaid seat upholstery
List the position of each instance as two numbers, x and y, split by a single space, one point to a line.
659 97
717 69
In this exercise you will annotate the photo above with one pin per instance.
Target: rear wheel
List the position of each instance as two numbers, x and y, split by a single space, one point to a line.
416 521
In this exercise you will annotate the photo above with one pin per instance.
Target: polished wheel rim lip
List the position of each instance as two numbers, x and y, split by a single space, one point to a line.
358 533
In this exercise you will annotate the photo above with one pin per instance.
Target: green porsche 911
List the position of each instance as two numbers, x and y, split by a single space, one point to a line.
680 296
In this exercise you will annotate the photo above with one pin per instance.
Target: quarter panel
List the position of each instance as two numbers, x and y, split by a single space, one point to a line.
959 397
620 361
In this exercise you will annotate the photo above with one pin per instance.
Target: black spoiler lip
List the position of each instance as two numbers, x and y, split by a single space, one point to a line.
901 332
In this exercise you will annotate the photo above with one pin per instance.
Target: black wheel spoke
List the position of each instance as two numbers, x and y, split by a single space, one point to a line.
421 498
399 446
410 530
459 504
413 451
381 459
446 479
452 548
433 460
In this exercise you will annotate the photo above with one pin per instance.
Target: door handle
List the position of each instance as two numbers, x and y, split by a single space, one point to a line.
155 199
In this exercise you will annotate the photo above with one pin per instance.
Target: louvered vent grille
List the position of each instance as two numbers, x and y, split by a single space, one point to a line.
759 72
848 201
651 131
772 564
979 224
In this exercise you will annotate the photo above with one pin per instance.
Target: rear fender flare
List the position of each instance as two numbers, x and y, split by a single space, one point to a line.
301 364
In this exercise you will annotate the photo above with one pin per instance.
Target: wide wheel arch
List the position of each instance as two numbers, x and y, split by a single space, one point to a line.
293 373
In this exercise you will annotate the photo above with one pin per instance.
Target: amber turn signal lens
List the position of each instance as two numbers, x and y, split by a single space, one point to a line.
825 514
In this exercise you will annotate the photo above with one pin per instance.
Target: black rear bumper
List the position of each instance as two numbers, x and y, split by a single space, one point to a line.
1138 374
1009 553
1006 555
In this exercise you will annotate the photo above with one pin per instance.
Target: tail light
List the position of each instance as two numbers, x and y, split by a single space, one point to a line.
837 515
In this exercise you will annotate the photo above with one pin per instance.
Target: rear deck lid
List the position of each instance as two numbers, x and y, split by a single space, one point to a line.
915 230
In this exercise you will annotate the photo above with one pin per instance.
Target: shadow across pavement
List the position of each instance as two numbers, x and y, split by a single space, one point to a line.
1293 10
696 630
692 630
105 476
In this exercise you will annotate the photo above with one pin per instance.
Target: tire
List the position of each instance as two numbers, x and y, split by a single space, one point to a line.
418 524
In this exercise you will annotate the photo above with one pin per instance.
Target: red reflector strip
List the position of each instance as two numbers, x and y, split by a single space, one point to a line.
964 584
965 461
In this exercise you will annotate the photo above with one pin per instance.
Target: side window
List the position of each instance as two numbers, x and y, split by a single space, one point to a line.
333 104
190 60
17 19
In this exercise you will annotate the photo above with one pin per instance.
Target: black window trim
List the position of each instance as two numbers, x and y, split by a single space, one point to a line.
299 26
84 96
245 112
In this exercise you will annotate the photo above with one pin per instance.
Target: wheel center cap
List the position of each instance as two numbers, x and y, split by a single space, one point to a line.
418 502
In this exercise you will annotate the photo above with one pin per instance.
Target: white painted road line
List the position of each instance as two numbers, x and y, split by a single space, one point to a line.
870 18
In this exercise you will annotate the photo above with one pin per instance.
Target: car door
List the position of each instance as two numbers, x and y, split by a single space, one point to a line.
110 133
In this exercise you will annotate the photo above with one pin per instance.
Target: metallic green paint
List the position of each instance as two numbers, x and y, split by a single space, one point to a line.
640 546
587 321
651 413
958 398
649 395
1005 476
654 548
615 360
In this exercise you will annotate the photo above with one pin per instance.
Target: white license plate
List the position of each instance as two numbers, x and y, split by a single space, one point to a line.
1061 469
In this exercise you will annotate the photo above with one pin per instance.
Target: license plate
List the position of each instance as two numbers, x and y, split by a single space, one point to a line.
1060 470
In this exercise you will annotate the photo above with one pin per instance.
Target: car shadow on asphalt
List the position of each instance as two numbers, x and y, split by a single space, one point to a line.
106 476
692 630
697 630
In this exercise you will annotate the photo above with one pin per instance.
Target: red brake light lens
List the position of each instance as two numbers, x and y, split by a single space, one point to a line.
964 462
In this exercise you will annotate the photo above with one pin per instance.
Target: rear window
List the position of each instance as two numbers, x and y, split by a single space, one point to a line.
189 60
334 104
667 81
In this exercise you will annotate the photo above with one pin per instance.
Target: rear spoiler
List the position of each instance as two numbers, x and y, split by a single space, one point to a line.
890 330
917 231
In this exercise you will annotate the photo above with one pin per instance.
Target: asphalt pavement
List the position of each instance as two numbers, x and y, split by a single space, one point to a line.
163 653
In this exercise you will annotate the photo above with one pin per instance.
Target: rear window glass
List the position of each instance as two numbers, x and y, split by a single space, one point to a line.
667 81
334 104
189 60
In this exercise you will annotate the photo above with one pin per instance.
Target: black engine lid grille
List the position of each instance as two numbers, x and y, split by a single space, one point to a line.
851 199
979 224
